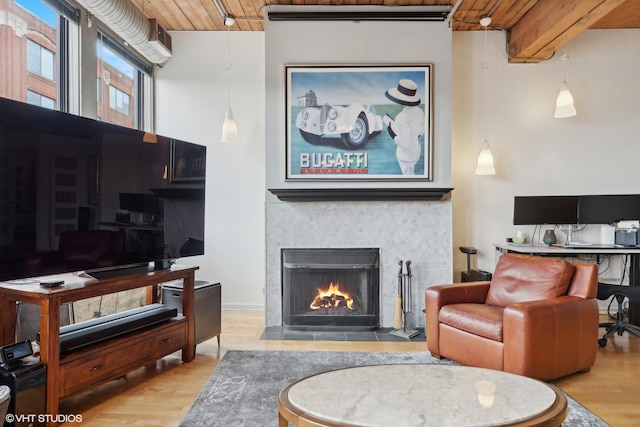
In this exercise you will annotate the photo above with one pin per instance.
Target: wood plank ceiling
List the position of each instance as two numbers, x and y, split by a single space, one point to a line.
535 28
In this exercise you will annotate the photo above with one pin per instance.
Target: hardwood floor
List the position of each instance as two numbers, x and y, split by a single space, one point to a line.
161 394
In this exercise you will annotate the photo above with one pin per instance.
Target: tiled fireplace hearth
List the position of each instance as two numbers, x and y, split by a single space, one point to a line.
419 231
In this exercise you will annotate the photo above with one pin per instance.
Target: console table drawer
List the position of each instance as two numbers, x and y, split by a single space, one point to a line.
119 356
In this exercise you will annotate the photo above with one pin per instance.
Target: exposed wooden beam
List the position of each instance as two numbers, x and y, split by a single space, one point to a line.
549 24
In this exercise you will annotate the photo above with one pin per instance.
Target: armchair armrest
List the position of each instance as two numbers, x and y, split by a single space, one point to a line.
542 338
437 296
34 264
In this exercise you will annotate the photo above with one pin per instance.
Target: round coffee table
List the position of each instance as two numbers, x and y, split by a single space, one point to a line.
420 395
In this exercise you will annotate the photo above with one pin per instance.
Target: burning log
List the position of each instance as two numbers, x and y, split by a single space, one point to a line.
331 298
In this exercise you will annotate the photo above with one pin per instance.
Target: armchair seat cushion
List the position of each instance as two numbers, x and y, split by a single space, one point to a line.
477 319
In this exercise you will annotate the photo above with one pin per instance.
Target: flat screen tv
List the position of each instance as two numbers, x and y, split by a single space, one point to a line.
535 210
60 173
609 208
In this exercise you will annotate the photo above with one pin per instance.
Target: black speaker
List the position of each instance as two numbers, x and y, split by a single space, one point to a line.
84 217
476 276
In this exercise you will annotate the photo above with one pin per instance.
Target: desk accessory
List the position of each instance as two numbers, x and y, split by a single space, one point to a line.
549 237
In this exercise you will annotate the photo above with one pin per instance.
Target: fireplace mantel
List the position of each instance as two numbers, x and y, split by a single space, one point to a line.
359 194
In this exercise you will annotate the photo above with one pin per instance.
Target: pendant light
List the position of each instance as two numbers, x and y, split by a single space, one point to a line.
485 159
564 102
229 127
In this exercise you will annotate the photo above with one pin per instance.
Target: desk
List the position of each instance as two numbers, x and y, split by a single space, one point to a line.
75 288
145 240
562 251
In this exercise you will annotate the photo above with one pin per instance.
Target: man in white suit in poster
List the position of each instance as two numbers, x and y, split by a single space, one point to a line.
408 125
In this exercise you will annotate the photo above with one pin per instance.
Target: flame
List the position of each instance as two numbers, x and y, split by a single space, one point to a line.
332 297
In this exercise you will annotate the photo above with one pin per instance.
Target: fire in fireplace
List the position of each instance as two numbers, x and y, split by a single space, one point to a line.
332 298
331 289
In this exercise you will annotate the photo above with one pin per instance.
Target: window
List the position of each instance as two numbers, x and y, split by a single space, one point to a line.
118 100
40 64
35 40
41 100
127 76
39 60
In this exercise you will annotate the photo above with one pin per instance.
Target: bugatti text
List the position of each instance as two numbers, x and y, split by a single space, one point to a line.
332 163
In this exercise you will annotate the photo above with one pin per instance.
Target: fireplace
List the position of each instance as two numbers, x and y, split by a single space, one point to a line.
331 289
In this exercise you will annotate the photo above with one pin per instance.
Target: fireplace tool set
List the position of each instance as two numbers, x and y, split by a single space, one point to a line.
403 304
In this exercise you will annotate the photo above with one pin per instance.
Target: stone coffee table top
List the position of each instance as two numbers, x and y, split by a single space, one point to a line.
420 395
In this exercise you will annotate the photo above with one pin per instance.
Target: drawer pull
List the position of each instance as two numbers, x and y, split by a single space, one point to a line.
98 367
165 341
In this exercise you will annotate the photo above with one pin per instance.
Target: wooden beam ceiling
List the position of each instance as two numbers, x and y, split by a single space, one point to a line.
550 24
535 28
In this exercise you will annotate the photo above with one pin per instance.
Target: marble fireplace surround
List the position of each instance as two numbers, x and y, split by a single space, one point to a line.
419 231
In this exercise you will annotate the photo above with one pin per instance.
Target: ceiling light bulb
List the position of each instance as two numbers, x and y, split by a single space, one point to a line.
485 161
564 103
229 129
229 21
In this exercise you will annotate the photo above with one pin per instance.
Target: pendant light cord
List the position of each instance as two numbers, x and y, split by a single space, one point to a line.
564 58
228 68
485 67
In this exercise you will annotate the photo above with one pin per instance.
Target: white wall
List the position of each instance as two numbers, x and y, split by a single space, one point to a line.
595 152
191 94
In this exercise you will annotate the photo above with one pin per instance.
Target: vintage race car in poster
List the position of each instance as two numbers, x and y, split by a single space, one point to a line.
355 124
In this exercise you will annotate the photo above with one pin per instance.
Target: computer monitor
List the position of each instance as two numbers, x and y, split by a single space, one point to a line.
534 210
610 208
140 202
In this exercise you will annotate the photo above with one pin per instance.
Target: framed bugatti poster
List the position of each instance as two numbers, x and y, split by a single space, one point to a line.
359 122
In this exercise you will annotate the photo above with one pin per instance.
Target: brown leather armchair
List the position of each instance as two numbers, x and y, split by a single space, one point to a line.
537 317
78 250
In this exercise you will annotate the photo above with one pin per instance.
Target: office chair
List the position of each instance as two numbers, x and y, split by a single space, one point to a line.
619 292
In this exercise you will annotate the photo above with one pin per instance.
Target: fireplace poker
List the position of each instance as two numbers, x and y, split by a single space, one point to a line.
406 295
404 287
397 321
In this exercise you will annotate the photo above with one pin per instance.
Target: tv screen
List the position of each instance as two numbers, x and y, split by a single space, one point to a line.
61 174
534 210
140 202
607 209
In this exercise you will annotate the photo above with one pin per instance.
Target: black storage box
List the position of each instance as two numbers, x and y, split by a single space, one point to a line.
208 298
626 236
27 382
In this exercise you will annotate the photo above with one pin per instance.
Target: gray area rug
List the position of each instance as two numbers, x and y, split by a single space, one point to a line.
243 390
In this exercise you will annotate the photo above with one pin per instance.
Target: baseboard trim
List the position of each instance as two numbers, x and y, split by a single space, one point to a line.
239 307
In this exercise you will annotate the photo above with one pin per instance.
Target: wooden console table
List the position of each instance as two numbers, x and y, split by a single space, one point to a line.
80 370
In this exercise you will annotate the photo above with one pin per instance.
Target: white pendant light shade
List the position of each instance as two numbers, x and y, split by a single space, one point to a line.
485 161
485 158
564 103
229 129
